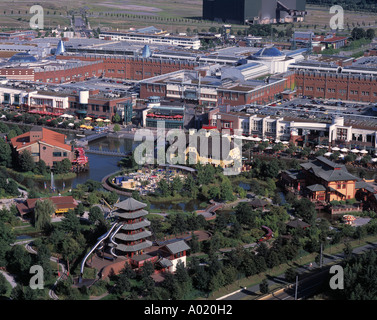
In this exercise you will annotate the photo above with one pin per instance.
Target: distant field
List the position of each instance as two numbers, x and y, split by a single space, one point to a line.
171 15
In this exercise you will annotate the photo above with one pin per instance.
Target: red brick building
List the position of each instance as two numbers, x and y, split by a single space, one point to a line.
44 144
349 87
54 72
95 104
134 68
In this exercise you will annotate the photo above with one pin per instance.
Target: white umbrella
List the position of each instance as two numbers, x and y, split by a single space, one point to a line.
335 149
374 160
344 150
355 151
71 124
285 142
328 154
257 139
265 140
277 141
364 151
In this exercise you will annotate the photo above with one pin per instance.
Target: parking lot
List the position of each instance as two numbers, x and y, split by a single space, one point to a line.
320 109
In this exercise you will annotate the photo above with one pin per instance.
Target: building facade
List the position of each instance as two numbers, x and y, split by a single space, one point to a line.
44 144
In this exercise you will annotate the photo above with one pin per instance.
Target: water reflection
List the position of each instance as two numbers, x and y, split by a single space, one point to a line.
99 165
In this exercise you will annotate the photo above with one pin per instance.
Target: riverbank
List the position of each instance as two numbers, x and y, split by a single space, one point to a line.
39 177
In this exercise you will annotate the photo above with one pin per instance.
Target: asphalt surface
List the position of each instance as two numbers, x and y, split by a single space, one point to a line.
307 284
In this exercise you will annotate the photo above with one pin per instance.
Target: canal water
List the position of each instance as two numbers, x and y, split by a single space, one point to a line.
102 165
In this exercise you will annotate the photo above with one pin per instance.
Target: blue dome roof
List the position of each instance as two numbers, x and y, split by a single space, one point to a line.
22 57
269 52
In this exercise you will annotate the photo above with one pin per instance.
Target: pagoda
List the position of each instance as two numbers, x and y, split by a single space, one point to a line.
131 236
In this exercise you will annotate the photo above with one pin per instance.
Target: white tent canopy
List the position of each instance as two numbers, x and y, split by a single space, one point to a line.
344 150
335 149
355 151
364 151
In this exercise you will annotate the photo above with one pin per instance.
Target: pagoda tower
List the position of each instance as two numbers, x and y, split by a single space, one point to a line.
131 236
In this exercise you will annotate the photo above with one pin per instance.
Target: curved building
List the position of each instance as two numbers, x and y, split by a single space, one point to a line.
22 57
269 54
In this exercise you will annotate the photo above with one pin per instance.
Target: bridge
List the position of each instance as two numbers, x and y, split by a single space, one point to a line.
210 212
107 152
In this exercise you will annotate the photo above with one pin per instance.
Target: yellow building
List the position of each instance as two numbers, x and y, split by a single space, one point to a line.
328 181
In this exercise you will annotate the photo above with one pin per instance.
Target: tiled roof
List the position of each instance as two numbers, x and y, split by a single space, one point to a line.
316 187
328 170
130 204
60 202
178 246
48 137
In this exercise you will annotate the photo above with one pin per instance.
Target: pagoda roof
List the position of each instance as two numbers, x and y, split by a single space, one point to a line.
133 237
130 204
131 215
137 225
136 247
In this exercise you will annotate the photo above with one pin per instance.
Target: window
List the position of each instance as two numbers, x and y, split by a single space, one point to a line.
56 154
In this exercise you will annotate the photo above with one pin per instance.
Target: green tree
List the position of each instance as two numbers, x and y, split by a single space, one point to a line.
42 214
5 153
116 127
263 286
70 223
370 34
122 284
226 190
41 167
214 192
290 275
26 162
80 209
164 187
19 262
95 214
3 285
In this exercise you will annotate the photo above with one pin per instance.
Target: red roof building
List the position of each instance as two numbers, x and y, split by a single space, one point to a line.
62 205
44 144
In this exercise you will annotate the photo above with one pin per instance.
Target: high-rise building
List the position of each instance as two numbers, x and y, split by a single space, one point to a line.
254 11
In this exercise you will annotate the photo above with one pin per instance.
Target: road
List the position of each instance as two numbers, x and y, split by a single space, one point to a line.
62 271
308 284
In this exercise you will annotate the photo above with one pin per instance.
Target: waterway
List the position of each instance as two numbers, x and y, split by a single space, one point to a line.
102 165
99 165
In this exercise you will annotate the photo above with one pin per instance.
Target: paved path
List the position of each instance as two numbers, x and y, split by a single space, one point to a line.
62 271
10 278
